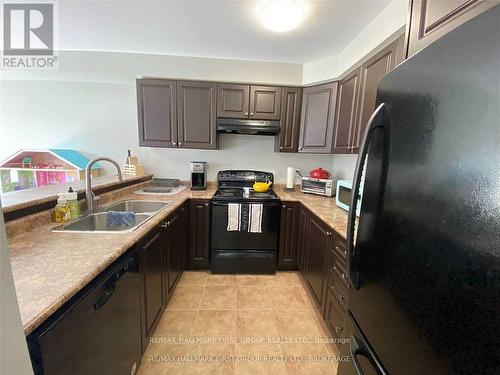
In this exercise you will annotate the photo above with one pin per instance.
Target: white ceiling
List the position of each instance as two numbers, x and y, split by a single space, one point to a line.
221 29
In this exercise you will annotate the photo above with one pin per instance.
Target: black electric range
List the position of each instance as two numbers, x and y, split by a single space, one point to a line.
240 250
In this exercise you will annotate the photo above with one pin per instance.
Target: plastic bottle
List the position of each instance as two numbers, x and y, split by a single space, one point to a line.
62 210
74 207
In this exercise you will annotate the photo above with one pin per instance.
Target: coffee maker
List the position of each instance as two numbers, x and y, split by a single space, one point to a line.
198 175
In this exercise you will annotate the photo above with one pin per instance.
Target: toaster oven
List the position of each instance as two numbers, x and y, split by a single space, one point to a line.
318 186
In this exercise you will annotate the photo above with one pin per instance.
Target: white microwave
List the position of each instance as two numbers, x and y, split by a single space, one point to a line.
344 194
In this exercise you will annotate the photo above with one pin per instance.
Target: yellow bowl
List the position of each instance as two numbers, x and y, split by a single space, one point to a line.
261 187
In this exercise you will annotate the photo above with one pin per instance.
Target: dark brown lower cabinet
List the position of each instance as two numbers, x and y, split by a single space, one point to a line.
162 260
151 265
287 252
334 315
322 259
301 237
173 252
199 234
184 228
317 245
336 288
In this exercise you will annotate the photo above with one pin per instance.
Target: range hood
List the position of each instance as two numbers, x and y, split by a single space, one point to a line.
241 126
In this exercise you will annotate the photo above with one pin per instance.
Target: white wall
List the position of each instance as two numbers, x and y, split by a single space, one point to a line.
389 22
243 152
89 104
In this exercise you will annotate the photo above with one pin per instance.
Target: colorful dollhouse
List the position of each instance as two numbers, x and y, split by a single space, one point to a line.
28 169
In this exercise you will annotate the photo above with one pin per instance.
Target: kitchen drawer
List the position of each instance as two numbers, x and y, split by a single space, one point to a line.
337 288
340 271
340 251
334 315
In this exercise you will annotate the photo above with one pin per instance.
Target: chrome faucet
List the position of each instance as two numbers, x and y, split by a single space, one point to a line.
89 196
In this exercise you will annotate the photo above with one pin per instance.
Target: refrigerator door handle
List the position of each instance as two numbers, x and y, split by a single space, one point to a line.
375 121
358 347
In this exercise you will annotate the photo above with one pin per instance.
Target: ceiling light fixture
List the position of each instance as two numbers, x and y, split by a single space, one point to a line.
282 15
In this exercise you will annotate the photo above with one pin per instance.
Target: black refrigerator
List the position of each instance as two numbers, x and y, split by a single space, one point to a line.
424 256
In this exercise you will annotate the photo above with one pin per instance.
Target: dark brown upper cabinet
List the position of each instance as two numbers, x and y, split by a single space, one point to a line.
345 116
291 101
265 102
233 100
245 101
429 20
196 114
374 69
317 121
157 112
177 114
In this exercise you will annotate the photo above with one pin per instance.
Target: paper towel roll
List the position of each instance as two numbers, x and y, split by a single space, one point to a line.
290 176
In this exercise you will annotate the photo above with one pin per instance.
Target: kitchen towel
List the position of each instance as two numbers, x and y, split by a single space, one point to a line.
233 216
255 218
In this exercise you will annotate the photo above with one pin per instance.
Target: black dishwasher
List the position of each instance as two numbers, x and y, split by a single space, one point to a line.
97 331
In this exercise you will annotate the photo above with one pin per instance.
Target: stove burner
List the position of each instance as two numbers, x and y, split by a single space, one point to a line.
260 195
230 192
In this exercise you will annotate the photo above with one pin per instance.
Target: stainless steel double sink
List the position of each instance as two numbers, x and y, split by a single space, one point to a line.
97 222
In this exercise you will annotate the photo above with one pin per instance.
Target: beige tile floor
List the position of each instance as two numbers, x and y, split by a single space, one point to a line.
212 322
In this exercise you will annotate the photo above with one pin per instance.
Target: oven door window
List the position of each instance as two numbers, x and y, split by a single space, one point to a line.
315 186
222 239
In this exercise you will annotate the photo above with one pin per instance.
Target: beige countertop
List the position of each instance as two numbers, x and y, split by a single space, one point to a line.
323 207
51 267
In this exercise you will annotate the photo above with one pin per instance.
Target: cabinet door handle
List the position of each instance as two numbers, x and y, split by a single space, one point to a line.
180 144
281 147
174 143
246 113
329 234
206 204
251 114
284 206
300 148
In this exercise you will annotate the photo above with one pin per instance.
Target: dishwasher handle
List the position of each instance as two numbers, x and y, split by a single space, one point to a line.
110 290
105 297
